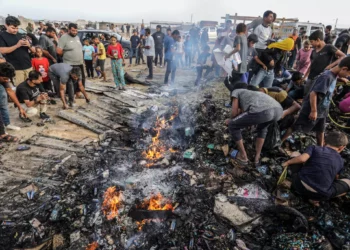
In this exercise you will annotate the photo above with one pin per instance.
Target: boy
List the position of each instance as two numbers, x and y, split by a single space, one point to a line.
315 107
317 179
101 52
252 54
32 95
170 49
88 51
321 58
201 64
149 53
295 88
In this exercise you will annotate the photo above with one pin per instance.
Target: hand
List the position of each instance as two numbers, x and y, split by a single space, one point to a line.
55 61
264 67
227 122
313 115
22 113
21 43
87 100
285 164
26 43
328 67
65 106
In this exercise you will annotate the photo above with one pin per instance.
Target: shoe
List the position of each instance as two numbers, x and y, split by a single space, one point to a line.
71 104
44 116
120 88
123 88
149 78
12 127
25 119
161 66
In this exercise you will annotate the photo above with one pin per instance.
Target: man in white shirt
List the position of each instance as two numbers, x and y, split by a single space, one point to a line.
149 53
264 31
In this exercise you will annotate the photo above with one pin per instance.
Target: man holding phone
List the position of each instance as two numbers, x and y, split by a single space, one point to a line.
32 96
16 49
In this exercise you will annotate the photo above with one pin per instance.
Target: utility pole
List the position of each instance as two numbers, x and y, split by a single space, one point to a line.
336 22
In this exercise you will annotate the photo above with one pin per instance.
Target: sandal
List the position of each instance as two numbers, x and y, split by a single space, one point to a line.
9 138
241 162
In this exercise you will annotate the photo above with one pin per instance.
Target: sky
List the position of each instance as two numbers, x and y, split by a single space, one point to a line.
179 10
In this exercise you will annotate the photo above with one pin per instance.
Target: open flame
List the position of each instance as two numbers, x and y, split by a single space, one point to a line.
157 149
92 246
111 203
156 202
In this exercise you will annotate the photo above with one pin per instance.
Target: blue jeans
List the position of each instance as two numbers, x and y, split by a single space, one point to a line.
133 51
4 110
263 78
245 77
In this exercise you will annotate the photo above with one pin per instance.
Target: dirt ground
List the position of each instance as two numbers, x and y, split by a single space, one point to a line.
54 139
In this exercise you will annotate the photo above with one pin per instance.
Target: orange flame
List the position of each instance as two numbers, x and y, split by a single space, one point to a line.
92 246
111 203
156 202
156 150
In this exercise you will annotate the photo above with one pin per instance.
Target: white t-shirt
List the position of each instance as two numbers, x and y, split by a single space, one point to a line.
263 33
150 42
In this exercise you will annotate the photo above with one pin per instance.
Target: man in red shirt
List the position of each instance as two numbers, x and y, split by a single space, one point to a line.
115 52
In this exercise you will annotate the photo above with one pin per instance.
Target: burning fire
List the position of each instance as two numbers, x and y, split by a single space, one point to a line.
156 202
111 203
92 246
156 150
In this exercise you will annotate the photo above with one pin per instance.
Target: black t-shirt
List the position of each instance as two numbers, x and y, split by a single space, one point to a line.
158 38
19 58
321 59
135 40
26 92
268 55
342 42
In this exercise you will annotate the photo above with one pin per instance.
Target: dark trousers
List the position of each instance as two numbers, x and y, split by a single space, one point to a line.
89 68
81 67
200 72
159 53
69 86
170 68
150 65
292 58
47 85
140 57
188 56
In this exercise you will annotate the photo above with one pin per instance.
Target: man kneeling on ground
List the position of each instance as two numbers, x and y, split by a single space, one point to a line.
316 172
67 78
32 95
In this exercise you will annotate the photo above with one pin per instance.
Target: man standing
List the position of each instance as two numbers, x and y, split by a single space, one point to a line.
63 31
142 31
135 44
32 95
149 53
65 77
41 28
47 45
170 49
30 28
328 36
128 29
7 72
70 47
264 31
194 36
159 41
16 49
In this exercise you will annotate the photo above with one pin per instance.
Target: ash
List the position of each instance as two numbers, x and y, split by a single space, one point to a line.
216 204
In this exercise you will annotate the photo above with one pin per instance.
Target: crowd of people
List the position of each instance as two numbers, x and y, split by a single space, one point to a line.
290 83
287 82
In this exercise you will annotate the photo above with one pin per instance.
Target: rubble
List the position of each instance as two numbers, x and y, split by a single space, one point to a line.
188 195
